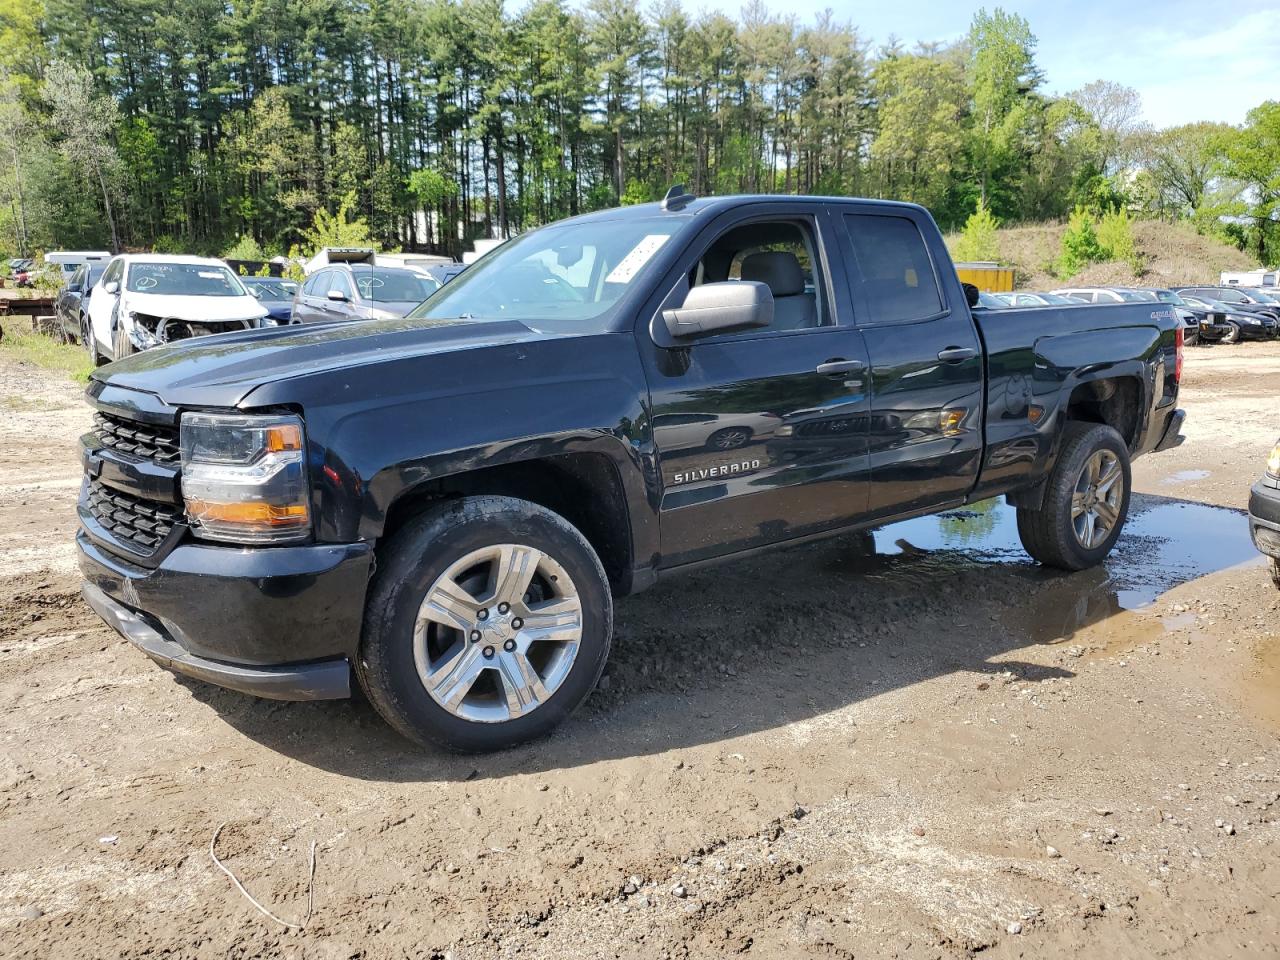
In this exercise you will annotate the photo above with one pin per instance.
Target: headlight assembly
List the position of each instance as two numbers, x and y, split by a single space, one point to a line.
1273 463
244 477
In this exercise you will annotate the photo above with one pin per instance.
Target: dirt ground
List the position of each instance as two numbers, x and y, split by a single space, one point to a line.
934 751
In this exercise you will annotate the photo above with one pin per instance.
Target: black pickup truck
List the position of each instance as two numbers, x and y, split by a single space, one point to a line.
446 505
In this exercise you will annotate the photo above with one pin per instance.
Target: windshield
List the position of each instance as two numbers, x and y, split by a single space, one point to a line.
1261 297
272 289
570 275
389 285
1129 296
1168 296
184 280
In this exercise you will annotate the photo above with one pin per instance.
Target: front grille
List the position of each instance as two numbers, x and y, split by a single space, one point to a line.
135 522
827 428
144 440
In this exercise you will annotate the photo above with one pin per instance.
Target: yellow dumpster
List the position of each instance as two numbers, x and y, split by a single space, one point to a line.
986 275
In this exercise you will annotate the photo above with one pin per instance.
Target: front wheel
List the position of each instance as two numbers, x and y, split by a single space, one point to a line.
1086 500
489 623
1275 572
90 342
1233 333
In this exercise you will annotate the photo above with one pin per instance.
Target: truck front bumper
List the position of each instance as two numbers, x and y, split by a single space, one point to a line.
1264 517
279 622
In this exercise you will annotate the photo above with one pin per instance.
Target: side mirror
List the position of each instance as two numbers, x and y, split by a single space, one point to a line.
971 294
337 296
111 287
714 307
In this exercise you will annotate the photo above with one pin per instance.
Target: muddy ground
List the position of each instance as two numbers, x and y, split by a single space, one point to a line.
930 752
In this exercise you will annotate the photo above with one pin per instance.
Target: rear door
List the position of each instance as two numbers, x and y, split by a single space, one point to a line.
926 417
760 434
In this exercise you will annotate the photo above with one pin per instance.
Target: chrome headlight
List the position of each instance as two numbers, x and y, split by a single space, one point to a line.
244 477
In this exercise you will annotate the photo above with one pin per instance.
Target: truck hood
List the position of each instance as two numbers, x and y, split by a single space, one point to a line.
221 370
204 309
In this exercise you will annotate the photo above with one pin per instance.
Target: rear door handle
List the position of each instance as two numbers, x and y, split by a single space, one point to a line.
837 366
956 354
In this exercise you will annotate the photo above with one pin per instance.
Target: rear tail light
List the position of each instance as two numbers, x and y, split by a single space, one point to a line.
1177 368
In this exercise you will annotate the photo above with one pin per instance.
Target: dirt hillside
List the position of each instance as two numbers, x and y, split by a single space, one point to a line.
1174 254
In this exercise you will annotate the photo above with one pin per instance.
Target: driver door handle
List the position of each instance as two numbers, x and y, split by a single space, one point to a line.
837 366
956 354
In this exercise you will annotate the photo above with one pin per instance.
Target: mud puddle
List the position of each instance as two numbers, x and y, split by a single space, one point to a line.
1186 476
1165 543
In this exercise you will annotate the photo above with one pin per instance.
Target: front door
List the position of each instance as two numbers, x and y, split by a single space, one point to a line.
926 426
102 308
760 434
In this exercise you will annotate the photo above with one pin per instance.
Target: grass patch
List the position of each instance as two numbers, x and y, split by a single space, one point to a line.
25 346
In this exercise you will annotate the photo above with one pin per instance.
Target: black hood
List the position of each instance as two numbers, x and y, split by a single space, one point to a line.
219 371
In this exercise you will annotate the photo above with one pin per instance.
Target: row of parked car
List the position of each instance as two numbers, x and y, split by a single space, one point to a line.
1210 314
119 305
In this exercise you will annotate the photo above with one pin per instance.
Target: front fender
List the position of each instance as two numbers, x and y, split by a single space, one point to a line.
380 430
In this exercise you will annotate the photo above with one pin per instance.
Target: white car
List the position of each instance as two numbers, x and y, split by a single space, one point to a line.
145 300
1101 294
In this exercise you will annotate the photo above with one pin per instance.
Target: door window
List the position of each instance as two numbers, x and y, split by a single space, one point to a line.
114 270
338 280
897 273
781 254
313 285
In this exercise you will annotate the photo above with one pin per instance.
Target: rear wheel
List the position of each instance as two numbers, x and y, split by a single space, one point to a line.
489 623
1086 500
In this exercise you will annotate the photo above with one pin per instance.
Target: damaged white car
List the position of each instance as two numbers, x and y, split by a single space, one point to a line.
144 300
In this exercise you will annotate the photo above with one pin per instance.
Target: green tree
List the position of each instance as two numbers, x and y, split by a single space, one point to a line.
1079 245
1002 73
1252 158
86 124
920 139
978 240
1184 161
337 229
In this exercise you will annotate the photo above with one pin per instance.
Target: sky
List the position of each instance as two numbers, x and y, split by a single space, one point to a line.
1189 59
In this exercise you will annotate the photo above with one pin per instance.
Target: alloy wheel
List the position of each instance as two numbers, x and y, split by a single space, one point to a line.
497 633
1095 504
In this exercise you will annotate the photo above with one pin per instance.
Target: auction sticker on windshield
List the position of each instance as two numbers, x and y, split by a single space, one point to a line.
640 254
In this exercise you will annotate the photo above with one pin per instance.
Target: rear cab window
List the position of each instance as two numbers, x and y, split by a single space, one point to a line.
898 279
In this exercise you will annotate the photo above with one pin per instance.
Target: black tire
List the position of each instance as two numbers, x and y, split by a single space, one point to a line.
1275 572
1049 534
1233 334
423 550
122 346
91 342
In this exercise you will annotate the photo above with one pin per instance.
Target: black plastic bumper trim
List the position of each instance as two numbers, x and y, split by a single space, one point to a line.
1172 432
326 680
